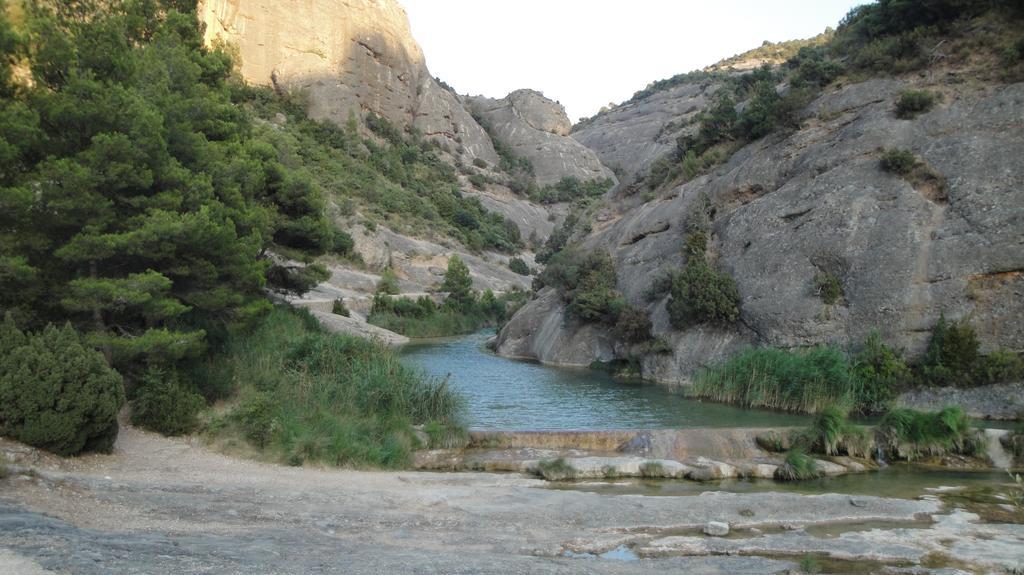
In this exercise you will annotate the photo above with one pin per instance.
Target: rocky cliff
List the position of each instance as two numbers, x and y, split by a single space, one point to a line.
535 128
346 57
790 206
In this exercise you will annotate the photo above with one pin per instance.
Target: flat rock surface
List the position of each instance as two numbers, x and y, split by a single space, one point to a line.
161 505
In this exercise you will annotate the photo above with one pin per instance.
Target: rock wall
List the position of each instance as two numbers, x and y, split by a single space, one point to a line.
346 57
535 128
790 206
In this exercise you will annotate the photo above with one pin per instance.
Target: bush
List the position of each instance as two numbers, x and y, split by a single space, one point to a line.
952 354
56 393
880 373
828 287
633 325
339 308
458 283
388 283
296 280
914 102
343 243
702 295
479 181
164 404
899 162
519 266
479 162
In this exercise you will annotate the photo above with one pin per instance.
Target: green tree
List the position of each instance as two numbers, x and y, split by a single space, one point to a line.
133 199
55 392
458 283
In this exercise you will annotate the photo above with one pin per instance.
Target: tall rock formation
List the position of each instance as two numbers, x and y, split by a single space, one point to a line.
791 206
536 128
346 57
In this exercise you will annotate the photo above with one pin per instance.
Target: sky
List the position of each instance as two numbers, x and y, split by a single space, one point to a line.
589 53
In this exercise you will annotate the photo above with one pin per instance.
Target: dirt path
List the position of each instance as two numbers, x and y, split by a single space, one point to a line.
161 505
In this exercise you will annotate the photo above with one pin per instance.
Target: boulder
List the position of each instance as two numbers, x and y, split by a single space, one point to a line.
716 529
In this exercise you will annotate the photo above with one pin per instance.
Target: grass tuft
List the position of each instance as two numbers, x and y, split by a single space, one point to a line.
797 467
652 469
909 434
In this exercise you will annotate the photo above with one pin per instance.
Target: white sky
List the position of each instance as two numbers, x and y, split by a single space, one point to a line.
587 53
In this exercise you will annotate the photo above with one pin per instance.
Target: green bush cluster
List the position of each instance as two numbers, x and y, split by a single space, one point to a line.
338 307
388 283
954 358
519 266
162 403
56 393
699 293
587 283
311 396
914 102
828 287
296 280
463 311
570 189
899 162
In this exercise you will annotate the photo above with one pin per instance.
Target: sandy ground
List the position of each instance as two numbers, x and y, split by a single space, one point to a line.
160 505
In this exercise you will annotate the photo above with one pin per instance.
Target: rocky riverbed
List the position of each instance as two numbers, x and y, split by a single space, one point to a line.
161 505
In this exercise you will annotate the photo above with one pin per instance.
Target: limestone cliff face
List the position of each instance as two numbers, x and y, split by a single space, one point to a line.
535 128
790 206
347 57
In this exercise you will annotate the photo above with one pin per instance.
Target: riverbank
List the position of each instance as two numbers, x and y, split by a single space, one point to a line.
160 505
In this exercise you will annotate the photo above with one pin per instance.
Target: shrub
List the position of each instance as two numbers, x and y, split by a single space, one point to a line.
633 325
458 282
900 162
880 372
388 283
479 181
828 287
952 354
255 417
296 280
343 243
164 404
702 295
479 162
519 266
652 469
339 308
914 102
56 393
1000 366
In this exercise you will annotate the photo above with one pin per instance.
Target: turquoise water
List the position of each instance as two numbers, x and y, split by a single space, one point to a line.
504 394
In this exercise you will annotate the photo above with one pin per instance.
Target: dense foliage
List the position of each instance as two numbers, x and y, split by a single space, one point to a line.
307 395
143 192
137 200
463 310
809 379
55 392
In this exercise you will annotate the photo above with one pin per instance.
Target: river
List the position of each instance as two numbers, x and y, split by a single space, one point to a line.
504 394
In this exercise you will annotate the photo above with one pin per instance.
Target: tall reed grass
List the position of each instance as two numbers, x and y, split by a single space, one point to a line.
805 381
307 395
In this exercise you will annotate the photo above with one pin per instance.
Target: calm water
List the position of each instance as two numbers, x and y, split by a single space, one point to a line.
515 395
